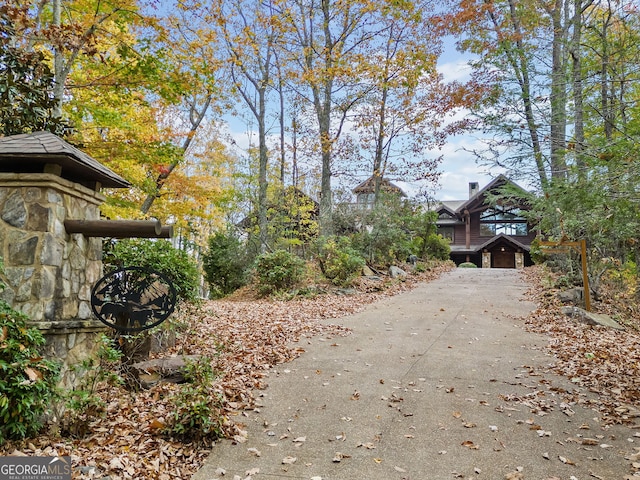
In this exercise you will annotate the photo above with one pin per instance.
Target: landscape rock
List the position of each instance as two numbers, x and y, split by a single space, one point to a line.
396 272
591 318
572 296
367 272
169 369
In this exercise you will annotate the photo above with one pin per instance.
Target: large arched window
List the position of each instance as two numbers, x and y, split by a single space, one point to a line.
502 219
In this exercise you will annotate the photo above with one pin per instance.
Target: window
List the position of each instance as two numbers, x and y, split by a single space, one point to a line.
503 220
447 232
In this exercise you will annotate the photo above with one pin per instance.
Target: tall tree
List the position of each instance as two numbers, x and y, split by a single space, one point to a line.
403 114
326 42
251 31
26 80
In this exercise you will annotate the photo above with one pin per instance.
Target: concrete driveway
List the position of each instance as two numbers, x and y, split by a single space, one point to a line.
436 384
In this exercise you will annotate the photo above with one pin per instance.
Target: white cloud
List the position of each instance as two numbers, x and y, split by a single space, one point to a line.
459 167
455 70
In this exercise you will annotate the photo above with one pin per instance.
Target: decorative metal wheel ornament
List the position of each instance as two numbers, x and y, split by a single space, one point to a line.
133 299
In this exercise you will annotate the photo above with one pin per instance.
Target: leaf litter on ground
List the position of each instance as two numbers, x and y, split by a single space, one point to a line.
245 337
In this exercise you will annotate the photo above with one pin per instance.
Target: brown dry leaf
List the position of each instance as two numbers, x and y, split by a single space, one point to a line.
565 460
155 423
245 336
368 445
470 444
589 441
33 374
254 451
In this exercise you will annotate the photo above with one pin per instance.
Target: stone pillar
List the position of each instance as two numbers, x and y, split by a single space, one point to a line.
486 259
519 260
48 273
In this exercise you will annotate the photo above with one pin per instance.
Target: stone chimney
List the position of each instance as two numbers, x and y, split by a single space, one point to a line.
474 188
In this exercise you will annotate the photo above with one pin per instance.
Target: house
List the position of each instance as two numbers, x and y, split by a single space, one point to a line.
365 192
489 235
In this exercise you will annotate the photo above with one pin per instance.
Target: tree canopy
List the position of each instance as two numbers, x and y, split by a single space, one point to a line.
327 90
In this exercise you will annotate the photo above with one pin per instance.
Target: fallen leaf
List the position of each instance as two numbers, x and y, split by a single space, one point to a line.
254 451
565 460
368 445
33 374
289 460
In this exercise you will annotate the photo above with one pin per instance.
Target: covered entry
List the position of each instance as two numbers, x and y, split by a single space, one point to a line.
504 252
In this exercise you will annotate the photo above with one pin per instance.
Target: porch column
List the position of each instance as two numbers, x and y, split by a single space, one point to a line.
519 259
467 228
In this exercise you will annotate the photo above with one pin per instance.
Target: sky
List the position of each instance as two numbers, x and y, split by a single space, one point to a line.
459 166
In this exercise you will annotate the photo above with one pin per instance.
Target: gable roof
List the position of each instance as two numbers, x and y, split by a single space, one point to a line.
477 201
30 152
505 239
368 186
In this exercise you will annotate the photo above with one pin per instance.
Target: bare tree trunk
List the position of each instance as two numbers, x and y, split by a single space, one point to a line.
520 64
576 57
262 174
58 65
558 97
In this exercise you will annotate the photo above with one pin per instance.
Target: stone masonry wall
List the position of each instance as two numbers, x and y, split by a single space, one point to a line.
49 273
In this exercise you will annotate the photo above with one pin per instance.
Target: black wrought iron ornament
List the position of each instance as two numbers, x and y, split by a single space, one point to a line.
133 299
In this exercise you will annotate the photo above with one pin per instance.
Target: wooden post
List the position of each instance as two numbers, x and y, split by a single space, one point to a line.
118 228
467 229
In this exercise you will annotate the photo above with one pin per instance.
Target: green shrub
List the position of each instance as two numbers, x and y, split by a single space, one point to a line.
338 261
27 381
436 246
390 229
277 271
197 408
537 255
467 265
157 255
225 264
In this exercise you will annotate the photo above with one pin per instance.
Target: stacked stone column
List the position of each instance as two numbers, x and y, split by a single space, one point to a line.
49 273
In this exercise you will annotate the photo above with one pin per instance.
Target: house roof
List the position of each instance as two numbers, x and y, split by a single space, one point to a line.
501 238
476 202
505 239
368 186
30 152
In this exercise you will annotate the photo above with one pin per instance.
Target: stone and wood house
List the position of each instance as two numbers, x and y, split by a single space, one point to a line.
488 234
